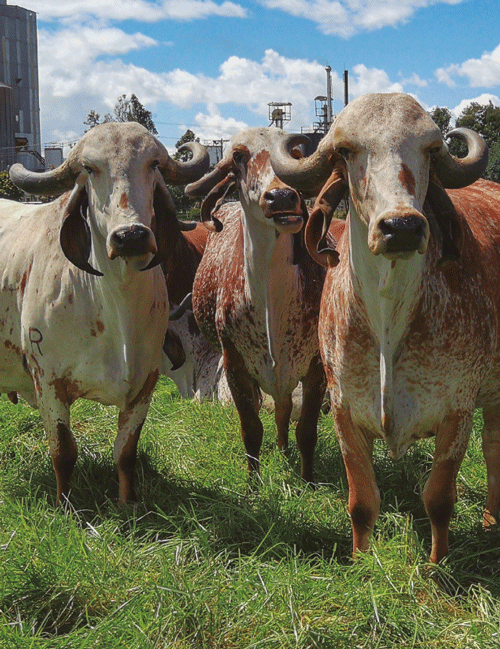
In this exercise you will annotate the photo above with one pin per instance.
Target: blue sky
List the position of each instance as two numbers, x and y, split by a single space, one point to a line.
214 65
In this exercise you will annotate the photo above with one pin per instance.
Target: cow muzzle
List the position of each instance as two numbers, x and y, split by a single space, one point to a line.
283 205
398 235
131 241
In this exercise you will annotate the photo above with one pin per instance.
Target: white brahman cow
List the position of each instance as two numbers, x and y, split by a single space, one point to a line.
83 302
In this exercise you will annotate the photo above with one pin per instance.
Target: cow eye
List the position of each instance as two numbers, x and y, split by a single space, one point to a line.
239 157
344 152
433 150
155 164
88 169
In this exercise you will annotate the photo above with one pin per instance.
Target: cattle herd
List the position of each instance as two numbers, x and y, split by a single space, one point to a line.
394 311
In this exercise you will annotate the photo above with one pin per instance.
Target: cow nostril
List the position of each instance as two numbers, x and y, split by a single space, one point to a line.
411 225
281 198
134 233
402 233
130 241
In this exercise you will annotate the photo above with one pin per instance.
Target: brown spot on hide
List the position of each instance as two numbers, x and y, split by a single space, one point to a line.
24 279
100 326
64 459
123 201
126 462
70 298
67 391
10 345
146 390
407 179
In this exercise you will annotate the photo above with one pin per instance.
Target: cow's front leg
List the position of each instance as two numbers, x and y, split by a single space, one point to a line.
282 412
55 415
440 490
364 496
306 432
246 397
130 423
491 452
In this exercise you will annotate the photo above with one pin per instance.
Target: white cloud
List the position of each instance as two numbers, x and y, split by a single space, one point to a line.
481 73
214 126
415 80
367 80
57 50
348 17
483 99
142 10
243 86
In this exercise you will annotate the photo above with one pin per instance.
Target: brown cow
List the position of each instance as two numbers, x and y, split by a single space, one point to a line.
410 318
256 294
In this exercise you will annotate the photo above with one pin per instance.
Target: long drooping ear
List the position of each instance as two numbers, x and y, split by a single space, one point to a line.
299 244
163 225
320 218
443 213
74 236
172 346
214 200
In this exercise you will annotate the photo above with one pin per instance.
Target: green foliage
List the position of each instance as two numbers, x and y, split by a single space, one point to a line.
188 136
203 561
125 110
187 208
442 117
482 118
8 189
485 119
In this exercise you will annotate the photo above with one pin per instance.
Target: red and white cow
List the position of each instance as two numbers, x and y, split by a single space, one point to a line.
83 302
256 294
410 317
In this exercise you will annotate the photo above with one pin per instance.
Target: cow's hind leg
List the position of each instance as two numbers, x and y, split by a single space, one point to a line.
246 396
55 416
306 432
130 423
491 452
440 490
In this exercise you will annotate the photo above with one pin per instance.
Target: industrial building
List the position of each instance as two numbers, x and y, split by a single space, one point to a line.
19 99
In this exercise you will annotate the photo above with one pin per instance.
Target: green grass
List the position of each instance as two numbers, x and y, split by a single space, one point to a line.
202 562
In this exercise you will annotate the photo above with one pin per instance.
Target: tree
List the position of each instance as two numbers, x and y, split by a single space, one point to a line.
482 118
485 119
140 114
8 189
125 110
185 205
188 136
442 117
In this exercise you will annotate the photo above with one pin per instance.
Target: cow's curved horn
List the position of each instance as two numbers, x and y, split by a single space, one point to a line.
47 183
308 174
176 172
204 185
460 172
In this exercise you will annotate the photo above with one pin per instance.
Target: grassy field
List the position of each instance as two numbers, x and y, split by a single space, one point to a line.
199 562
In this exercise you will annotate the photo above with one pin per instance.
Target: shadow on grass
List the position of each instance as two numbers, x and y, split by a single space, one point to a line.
266 521
244 523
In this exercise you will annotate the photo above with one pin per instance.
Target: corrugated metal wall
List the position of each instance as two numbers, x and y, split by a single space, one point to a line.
19 98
